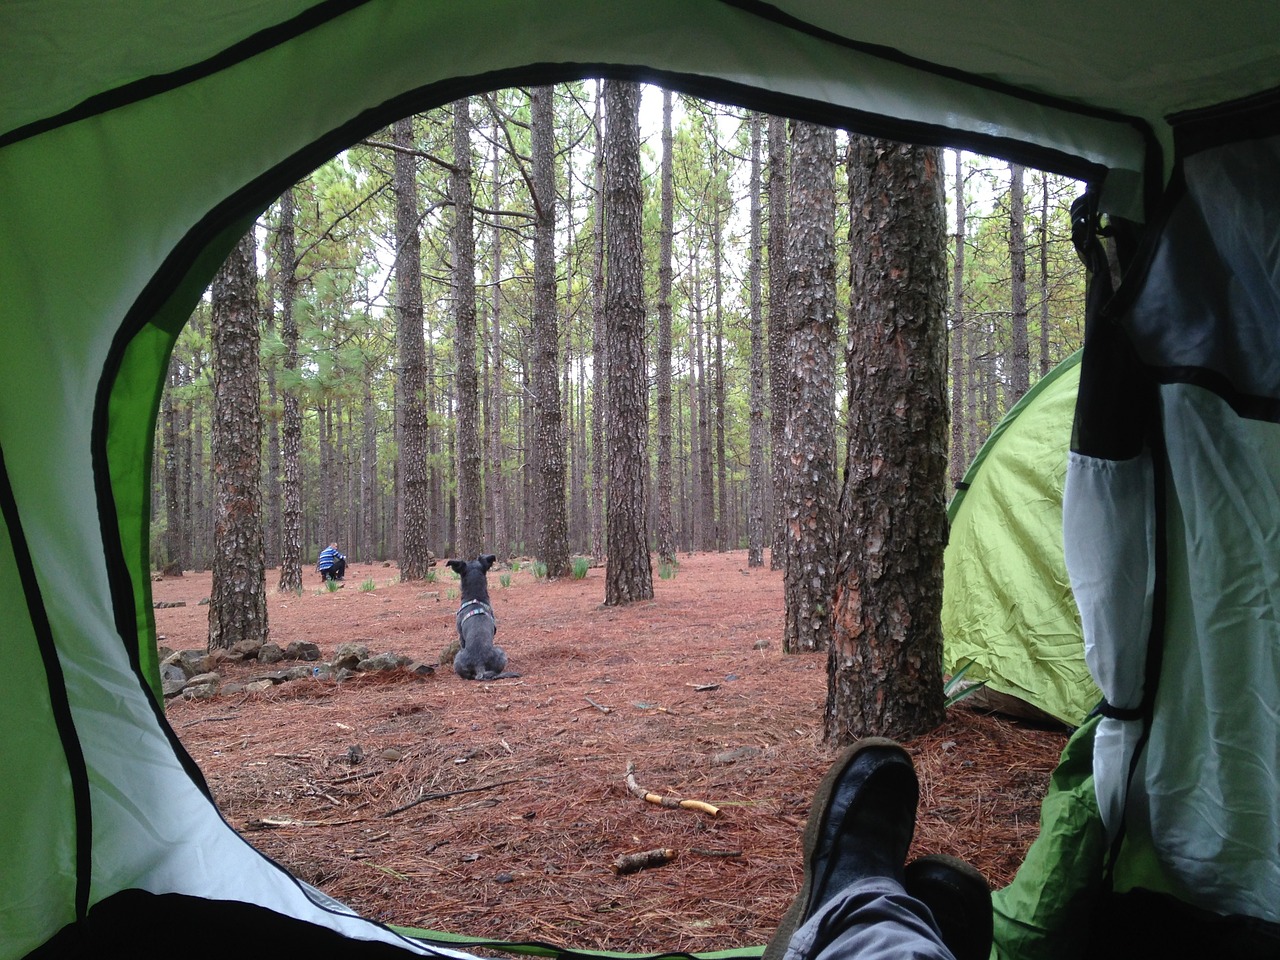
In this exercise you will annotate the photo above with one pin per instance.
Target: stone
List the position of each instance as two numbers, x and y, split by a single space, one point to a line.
358 650
270 653
302 650
381 662
418 668
200 691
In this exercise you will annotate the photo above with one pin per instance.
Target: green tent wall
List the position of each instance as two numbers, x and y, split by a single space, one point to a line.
138 139
1007 606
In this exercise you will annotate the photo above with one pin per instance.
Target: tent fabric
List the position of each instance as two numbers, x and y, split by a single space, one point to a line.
1007 606
139 139
1174 555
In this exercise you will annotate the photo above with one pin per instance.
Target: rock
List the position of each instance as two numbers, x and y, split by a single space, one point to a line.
762 644
171 688
347 662
204 602
176 663
355 753
358 650
449 652
246 649
382 661
173 673
200 691
258 686
343 673
203 678
302 650
421 669
270 653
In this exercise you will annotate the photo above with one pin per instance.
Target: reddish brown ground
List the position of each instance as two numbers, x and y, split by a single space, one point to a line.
521 802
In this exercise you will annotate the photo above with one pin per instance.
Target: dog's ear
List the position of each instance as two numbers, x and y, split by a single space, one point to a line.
458 566
486 561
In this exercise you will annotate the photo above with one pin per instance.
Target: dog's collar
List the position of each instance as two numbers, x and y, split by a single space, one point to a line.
479 607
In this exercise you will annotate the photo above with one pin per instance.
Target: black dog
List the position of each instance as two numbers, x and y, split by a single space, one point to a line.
479 657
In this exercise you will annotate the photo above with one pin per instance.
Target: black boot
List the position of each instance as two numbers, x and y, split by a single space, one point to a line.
860 825
960 900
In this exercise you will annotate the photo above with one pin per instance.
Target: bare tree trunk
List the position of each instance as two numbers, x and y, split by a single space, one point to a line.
291 425
1020 362
779 361
175 548
810 435
599 375
493 398
959 462
885 666
629 571
666 533
722 505
238 596
755 509
707 490
368 469
552 547
1046 361
470 497
411 398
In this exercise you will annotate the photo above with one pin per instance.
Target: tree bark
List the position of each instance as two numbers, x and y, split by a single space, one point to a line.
810 442
885 664
175 548
291 425
629 572
959 462
549 497
411 397
470 520
755 510
238 596
665 528
779 362
1020 362
494 483
599 375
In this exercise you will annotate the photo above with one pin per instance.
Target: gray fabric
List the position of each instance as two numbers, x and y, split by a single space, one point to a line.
873 919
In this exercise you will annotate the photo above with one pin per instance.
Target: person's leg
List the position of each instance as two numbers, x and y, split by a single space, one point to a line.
872 919
853 903
340 568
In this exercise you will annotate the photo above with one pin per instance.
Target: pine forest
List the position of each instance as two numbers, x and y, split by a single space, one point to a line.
448 357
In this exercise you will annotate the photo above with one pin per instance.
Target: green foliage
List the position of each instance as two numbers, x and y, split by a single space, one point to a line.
431 575
368 586
504 579
451 594
580 567
667 569
953 691
540 570
331 586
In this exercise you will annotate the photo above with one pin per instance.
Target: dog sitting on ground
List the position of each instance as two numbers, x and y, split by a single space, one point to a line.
478 658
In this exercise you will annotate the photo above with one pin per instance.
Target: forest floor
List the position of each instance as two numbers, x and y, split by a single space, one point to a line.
498 809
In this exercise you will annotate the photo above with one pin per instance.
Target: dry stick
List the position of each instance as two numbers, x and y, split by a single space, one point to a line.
599 706
454 793
631 862
662 801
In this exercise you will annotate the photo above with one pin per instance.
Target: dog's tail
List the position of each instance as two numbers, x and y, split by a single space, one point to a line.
497 676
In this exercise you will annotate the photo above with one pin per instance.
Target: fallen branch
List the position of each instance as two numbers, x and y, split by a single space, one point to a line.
631 862
599 706
453 793
662 801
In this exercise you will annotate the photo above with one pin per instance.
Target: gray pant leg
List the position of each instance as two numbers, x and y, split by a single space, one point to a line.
873 919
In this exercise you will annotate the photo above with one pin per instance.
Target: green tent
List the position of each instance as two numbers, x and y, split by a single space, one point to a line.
1007 607
139 139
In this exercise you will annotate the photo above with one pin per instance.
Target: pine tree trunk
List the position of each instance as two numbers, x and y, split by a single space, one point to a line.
779 361
238 596
629 572
1046 361
493 395
722 504
810 435
885 665
959 462
173 539
291 423
470 520
272 425
755 508
368 470
411 396
1020 362
599 375
552 547
665 532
